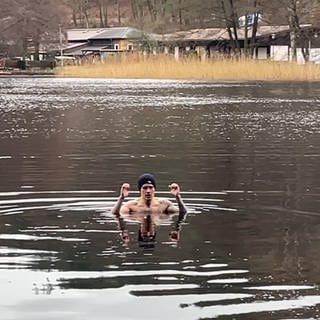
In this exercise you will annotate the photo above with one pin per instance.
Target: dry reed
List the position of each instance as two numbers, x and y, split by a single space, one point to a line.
161 67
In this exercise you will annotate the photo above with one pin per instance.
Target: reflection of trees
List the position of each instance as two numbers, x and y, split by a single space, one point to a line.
281 245
296 254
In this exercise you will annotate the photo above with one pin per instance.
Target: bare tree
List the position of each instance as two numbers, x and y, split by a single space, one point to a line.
102 6
80 12
230 16
296 14
31 21
250 12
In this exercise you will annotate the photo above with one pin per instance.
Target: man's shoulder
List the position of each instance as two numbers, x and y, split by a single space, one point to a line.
167 206
164 201
131 203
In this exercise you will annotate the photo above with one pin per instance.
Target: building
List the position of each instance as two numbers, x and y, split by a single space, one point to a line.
272 42
101 42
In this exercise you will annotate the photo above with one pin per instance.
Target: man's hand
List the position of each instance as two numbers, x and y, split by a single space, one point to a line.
124 191
174 189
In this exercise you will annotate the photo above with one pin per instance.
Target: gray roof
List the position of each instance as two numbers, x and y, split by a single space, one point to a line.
194 34
83 34
75 49
104 33
81 50
93 48
210 34
119 33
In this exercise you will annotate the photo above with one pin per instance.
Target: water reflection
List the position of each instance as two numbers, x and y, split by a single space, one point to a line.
147 229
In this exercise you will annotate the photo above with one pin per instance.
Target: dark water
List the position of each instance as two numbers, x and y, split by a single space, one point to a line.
246 156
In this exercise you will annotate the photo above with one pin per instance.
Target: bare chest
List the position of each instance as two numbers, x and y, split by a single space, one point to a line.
157 207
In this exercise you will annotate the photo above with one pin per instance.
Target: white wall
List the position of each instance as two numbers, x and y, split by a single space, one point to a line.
279 53
262 54
314 55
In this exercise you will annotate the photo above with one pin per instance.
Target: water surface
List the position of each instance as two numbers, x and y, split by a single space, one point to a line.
246 155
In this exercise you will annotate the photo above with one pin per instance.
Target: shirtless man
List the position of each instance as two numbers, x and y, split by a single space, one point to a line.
148 203
147 206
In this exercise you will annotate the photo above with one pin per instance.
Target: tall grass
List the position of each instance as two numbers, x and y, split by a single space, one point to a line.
162 67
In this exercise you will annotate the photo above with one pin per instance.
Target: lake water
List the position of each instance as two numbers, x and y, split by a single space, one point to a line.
246 156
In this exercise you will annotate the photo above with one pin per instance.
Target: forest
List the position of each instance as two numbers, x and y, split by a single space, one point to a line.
25 23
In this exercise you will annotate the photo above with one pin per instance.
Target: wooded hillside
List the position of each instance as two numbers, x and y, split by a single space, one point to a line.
35 21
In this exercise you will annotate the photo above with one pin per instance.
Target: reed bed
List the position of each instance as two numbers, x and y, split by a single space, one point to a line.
160 67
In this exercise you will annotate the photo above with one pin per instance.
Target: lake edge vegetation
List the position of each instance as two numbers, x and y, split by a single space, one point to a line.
164 67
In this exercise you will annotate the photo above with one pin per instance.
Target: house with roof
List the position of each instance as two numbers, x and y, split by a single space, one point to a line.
103 41
272 42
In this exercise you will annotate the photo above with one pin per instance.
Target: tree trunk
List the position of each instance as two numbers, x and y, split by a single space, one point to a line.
105 15
180 13
246 42
86 17
36 45
306 53
134 9
254 31
101 14
294 28
234 21
74 17
152 10
230 17
293 42
119 12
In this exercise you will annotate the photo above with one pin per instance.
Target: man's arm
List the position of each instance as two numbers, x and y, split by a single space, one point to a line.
175 191
175 233
124 192
122 227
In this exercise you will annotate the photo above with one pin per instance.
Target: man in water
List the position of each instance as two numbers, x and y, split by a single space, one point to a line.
148 202
148 206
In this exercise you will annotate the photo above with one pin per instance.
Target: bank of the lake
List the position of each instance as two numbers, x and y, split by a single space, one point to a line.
26 73
194 69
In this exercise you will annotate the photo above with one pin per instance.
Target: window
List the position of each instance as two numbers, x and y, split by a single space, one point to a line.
116 46
130 47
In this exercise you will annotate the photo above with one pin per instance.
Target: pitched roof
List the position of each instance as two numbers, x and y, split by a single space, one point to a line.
119 33
103 33
195 34
83 34
211 34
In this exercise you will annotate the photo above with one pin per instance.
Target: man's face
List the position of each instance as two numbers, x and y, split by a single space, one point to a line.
147 191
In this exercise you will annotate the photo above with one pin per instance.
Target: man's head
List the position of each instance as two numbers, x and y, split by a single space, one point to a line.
147 185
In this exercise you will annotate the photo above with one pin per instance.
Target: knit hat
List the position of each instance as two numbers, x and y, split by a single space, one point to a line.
146 178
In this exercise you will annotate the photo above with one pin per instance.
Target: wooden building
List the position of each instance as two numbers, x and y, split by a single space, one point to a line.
100 42
272 42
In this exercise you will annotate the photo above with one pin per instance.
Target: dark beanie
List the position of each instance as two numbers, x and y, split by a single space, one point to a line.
146 178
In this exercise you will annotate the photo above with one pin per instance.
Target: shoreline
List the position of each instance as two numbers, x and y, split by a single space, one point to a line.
57 76
25 73
164 68
195 70
150 76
